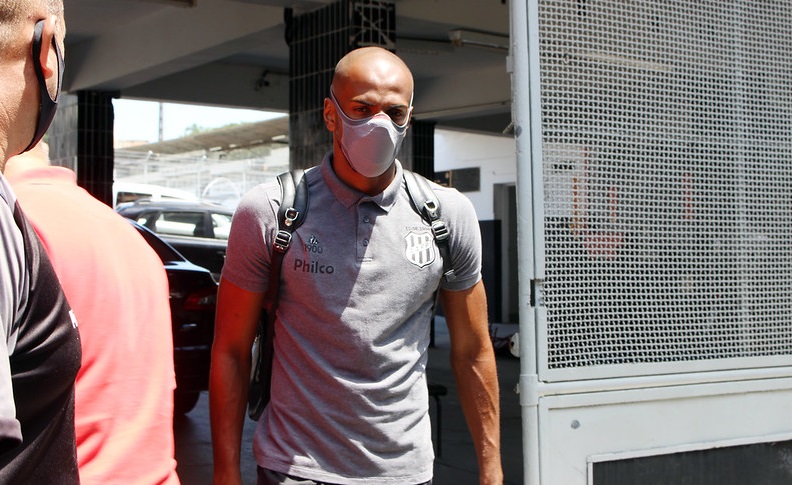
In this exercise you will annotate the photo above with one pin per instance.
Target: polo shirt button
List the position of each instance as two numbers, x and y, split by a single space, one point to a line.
366 219
365 242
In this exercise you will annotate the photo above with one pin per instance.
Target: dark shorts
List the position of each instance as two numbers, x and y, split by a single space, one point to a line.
269 477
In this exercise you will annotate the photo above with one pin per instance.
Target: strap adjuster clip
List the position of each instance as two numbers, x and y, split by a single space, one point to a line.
439 230
282 241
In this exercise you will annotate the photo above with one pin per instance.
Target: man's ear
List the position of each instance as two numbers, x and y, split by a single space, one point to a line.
329 115
48 57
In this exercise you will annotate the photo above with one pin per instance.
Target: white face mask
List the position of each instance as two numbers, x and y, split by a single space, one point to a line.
370 144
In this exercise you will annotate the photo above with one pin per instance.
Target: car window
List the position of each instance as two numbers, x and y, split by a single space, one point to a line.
179 223
123 197
164 251
221 224
143 219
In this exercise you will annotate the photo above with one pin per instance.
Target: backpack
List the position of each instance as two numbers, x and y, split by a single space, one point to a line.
292 212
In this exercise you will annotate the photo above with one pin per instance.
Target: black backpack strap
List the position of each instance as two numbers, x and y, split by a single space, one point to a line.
291 213
294 201
428 207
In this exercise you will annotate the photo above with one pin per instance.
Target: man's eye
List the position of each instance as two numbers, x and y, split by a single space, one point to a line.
397 116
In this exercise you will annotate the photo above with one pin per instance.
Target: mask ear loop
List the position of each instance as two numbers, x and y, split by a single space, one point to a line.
45 115
409 112
344 116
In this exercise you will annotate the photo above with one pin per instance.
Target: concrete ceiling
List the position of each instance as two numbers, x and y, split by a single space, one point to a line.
216 52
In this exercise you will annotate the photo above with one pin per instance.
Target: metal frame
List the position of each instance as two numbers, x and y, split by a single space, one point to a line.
574 416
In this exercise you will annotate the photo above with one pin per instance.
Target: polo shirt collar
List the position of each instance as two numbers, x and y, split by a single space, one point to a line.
348 196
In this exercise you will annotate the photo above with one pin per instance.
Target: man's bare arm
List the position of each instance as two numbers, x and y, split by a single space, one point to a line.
473 363
236 321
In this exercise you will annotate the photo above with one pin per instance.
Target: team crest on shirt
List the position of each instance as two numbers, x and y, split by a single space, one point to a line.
420 249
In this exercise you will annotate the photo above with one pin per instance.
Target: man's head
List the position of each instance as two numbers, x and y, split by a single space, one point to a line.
31 42
368 110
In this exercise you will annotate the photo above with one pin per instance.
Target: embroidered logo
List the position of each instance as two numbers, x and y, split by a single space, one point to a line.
313 245
420 249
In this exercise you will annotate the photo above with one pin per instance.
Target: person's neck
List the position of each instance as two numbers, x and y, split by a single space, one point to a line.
367 185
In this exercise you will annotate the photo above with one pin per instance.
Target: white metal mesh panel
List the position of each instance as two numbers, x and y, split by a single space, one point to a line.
667 142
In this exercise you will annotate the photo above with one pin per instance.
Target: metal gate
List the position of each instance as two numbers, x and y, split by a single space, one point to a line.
655 159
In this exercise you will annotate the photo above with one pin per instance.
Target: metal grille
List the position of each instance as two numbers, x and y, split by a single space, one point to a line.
317 40
667 142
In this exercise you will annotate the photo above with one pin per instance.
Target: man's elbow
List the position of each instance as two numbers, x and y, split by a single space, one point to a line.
473 356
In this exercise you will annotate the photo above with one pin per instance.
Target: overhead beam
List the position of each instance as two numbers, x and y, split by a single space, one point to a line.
484 15
166 42
449 96
300 6
243 86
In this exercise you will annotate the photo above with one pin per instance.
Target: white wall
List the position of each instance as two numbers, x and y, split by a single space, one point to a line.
495 155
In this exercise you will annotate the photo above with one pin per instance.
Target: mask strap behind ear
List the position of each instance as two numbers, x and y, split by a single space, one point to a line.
48 104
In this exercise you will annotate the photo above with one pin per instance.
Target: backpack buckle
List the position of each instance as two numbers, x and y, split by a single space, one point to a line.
430 206
282 241
289 216
439 230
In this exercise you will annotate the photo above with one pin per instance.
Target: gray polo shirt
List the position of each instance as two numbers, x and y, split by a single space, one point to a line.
349 401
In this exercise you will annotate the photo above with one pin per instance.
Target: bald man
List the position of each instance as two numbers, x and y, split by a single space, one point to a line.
349 402
41 353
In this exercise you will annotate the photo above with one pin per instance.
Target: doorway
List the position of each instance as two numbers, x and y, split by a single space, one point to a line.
505 208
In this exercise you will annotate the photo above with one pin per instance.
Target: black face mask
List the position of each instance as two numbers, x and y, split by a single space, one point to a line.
48 105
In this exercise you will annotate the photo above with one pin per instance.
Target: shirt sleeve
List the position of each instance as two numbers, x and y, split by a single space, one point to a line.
253 228
12 299
464 244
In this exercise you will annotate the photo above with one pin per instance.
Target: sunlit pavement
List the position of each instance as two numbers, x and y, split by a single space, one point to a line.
455 466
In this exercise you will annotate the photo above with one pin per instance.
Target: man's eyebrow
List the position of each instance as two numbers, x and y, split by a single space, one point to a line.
361 101
367 103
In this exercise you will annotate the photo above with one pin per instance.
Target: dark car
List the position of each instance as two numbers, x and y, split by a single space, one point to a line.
193 295
198 230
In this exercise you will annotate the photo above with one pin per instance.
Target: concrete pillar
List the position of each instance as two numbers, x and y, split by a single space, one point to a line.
421 143
95 156
62 134
81 138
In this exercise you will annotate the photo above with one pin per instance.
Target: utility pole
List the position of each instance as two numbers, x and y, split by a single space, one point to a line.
161 112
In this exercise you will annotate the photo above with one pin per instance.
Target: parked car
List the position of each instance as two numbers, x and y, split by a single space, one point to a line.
130 192
198 230
193 295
